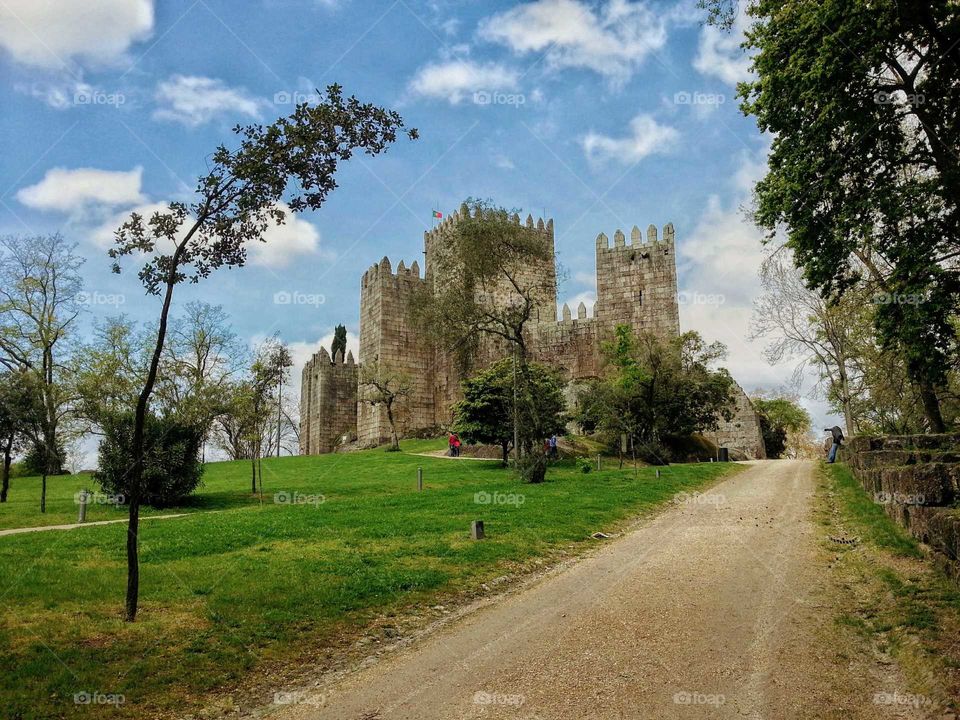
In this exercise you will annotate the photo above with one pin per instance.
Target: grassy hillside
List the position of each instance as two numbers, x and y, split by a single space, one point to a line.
338 539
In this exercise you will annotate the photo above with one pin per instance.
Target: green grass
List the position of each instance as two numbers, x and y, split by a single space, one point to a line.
896 599
225 592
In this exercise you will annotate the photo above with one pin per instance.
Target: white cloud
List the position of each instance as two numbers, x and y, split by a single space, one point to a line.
54 33
71 190
646 137
455 79
503 162
194 100
284 243
719 53
613 39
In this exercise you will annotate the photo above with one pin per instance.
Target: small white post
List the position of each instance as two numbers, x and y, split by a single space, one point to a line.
420 478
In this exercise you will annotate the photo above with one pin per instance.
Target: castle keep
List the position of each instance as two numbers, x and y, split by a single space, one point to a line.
636 286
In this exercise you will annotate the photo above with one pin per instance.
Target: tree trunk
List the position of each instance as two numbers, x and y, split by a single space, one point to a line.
279 412
506 454
253 474
7 459
931 406
43 493
394 438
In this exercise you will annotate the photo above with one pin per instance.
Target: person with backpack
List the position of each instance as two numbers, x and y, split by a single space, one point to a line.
837 434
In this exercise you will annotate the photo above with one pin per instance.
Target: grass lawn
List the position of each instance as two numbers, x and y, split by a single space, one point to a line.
225 592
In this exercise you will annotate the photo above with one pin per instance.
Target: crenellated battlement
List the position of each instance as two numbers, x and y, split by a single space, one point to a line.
653 241
383 270
320 359
450 220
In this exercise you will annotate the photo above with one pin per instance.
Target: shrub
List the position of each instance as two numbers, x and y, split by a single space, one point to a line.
585 466
532 467
172 469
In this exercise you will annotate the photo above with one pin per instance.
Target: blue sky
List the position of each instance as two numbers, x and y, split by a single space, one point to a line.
600 114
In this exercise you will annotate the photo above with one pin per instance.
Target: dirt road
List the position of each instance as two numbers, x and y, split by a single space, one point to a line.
709 610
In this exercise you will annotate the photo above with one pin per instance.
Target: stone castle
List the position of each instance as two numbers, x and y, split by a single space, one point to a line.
636 286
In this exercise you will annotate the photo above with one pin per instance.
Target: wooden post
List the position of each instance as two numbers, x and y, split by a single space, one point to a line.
658 473
419 478
598 462
82 512
476 530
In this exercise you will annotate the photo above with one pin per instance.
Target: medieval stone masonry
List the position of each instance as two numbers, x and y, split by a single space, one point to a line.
636 286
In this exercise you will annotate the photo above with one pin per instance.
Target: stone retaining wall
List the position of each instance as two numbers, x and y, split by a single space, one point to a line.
917 480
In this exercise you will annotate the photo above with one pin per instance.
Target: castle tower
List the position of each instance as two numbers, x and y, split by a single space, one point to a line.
389 340
328 401
637 282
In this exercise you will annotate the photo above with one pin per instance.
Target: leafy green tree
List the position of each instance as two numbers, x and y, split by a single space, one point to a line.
656 387
486 412
383 386
239 198
172 467
862 100
780 418
18 417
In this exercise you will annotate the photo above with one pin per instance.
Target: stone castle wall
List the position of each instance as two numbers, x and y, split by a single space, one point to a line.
636 285
328 401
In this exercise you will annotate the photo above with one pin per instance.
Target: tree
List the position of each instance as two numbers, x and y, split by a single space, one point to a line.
236 202
40 290
18 416
507 278
172 467
862 101
381 385
486 412
782 420
801 324
339 343
656 387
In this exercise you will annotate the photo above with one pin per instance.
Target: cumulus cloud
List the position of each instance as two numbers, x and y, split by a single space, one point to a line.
284 243
71 190
53 34
719 53
612 40
194 100
646 137
453 80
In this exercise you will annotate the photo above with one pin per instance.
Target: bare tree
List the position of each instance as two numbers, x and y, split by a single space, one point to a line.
383 386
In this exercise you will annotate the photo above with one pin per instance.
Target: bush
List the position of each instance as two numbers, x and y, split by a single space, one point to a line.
172 469
532 467
585 466
33 461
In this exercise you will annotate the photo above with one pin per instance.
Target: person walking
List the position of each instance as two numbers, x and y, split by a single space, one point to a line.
837 435
450 440
456 445
553 448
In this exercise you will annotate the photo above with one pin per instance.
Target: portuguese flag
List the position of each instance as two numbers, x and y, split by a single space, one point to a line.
437 214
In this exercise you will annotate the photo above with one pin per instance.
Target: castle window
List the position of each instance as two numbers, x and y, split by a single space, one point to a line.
639 297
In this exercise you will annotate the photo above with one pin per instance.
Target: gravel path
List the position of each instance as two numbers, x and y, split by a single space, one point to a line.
709 610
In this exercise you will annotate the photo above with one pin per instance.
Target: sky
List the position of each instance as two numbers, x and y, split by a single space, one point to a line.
602 115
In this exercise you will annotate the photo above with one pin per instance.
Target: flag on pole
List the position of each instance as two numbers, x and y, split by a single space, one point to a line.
437 214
